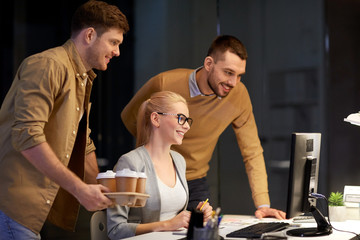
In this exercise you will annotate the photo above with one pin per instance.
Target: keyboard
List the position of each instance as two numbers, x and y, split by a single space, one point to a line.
257 229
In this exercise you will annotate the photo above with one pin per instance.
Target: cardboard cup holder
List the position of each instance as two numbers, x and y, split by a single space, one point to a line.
130 199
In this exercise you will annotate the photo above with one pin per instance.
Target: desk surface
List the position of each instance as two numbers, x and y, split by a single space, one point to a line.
233 222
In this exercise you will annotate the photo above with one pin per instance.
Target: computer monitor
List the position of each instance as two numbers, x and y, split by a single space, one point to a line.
303 181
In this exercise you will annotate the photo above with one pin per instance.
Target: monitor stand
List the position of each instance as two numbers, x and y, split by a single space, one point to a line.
323 227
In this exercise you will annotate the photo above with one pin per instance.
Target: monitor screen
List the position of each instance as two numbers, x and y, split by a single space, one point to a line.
304 171
303 181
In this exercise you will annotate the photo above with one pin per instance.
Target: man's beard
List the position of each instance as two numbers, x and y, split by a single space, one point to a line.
215 89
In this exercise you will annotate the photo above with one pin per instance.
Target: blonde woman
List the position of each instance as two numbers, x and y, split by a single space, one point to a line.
163 122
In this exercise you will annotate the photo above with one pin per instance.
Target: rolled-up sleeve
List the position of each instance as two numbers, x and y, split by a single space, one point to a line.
34 101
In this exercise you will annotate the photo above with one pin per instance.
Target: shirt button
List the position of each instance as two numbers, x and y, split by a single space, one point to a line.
48 202
77 109
82 84
74 132
67 156
84 74
78 75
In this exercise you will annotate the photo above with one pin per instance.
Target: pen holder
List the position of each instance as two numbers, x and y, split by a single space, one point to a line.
196 220
204 233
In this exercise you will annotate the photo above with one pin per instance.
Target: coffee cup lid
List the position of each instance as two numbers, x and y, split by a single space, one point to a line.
141 175
107 174
126 172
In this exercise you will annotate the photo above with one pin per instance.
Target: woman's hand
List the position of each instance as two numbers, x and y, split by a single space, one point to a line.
206 209
179 221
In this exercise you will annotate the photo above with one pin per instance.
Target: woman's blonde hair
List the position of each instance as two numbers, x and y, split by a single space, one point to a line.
158 102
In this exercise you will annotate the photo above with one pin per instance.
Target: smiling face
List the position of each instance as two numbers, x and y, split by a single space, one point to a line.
224 72
169 128
103 48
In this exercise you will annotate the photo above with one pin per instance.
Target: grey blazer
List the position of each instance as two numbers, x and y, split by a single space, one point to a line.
122 221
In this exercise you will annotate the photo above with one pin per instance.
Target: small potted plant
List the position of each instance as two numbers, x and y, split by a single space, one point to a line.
337 208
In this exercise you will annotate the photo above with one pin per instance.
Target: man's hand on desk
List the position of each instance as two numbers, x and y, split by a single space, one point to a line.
269 212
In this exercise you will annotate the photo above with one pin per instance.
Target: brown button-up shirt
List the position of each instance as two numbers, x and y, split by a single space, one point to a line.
47 102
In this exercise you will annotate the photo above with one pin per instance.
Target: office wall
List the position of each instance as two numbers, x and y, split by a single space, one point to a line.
171 34
343 95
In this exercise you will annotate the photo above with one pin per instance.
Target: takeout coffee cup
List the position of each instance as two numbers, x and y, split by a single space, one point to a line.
141 182
126 180
140 188
107 179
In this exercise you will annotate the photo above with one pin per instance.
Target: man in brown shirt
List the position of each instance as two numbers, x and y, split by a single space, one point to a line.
47 160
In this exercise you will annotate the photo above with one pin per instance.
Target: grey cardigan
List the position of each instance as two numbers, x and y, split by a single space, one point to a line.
122 221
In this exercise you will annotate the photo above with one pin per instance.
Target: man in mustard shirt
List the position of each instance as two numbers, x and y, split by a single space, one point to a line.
216 99
47 160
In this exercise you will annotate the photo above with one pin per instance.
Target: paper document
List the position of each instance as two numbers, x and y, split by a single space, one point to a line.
352 196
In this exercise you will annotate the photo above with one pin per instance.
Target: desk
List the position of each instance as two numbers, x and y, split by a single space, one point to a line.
233 222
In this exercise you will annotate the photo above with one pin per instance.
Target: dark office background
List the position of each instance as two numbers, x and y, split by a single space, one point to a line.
302 74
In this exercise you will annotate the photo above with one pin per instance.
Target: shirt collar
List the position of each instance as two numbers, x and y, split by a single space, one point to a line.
193 86
77 62
194 89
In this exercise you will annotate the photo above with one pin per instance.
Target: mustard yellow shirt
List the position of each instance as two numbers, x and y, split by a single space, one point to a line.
212 116
48 97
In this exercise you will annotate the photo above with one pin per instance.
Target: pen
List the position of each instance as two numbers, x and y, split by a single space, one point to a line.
204 204
219 219
217 214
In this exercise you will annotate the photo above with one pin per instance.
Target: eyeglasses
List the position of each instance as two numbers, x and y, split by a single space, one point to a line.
182 119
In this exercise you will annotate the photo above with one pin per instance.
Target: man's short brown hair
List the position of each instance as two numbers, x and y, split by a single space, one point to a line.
224 43
99 15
